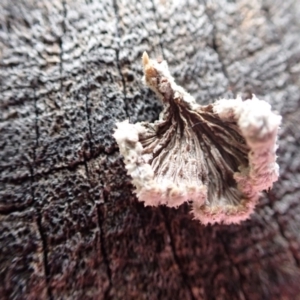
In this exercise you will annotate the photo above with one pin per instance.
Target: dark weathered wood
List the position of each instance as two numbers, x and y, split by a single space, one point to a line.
71 227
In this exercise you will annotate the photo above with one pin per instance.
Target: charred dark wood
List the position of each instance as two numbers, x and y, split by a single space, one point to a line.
70 224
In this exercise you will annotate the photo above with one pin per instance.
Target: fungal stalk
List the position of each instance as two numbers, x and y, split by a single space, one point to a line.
218 157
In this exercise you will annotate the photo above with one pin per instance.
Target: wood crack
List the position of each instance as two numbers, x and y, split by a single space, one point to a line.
45 255
176 258
36 125
157 25
103 251
34 202
214 44
88 117
71 167
61 52
101 235
116 10
43 238
6 211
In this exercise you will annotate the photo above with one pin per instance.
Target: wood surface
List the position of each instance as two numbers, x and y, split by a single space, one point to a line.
70 224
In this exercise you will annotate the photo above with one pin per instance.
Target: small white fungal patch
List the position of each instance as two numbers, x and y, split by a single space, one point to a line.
219 156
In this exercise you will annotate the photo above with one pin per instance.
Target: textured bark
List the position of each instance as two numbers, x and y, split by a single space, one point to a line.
70 225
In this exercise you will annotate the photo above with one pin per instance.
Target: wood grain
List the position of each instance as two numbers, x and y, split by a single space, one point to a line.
71 227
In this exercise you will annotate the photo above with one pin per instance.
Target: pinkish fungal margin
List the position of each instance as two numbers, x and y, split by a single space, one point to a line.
219 157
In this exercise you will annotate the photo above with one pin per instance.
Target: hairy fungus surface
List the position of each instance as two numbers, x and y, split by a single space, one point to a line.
219 157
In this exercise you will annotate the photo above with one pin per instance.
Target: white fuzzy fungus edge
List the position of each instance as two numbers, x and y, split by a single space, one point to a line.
147 189
257 124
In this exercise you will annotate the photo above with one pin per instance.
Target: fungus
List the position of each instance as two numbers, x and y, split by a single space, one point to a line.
217 157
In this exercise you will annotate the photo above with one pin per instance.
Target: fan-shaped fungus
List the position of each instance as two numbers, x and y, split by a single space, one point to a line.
219 156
